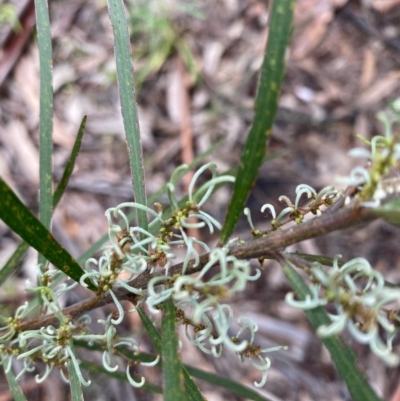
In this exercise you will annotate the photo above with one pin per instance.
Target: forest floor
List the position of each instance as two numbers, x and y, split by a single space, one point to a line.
197 67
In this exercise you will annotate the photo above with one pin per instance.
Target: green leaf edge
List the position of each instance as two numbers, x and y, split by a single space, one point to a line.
75 384
266 104
123 60
192 390
173 388
69 167
46 115
21 220
14 386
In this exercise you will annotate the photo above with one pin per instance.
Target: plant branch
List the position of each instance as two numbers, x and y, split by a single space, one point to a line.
261 247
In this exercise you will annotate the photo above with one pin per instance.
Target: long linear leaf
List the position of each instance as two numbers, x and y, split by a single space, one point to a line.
13 261
172 371
192 391
69 168
342 356
123 59
46 114
20 219
265 109
14 387
75 384
231 385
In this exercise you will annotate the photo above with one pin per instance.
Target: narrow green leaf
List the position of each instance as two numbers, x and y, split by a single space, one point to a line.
266 105
14 387
192 391
151 330
324 260
13 261
173 388
94 368
69 168
75 384
46 114
20 219
342 356
231 385
128 104
390 212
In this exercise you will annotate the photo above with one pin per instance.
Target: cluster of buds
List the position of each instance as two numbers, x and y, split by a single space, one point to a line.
132 251
364 304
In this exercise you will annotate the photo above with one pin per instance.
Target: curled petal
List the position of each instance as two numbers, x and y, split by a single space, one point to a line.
74 361
133 382
336 327
284 212
106 362
264 369
134 290
154 363
39 379
119 307
304 189
247 213
270 208
307 303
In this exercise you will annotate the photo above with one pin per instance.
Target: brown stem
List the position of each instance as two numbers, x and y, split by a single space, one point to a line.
261 247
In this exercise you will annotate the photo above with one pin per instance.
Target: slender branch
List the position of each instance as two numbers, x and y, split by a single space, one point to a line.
266 247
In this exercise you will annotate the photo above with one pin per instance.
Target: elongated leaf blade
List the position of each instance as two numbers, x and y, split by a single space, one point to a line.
12 262
128 104
266 105
46 114
75 384
69 168
20 219
342 356
231 385
14 387
173 389
192 391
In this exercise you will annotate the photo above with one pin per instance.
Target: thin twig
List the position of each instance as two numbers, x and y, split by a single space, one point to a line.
266 247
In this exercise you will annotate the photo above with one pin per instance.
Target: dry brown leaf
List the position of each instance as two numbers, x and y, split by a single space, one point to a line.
312 18
368 69
21 145
379 91
27 82
384 6
173 96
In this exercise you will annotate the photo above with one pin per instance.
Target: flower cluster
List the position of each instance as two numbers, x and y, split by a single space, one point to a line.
294 211
384 154
210 333
364 304
132 251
